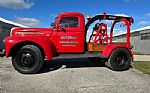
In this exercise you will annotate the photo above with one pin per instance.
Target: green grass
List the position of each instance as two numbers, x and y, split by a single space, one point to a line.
142 66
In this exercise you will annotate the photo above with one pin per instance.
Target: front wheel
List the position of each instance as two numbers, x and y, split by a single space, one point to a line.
119 60
28 60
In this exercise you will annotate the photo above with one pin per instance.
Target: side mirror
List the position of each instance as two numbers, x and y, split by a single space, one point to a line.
52 25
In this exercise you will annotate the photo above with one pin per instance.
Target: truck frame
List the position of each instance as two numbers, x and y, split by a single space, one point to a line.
29 47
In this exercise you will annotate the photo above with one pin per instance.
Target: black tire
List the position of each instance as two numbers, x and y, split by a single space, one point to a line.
119 60
107 65
28 60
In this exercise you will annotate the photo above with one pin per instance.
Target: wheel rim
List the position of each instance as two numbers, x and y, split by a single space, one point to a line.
26 60
120 59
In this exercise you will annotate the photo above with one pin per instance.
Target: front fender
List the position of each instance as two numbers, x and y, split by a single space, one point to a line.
45 44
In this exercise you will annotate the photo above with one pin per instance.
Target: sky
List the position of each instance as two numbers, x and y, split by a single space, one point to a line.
41 13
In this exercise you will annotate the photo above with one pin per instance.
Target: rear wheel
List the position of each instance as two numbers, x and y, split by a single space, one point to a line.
120 60
28 60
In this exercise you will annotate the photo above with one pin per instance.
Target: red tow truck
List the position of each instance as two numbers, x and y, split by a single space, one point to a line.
29 47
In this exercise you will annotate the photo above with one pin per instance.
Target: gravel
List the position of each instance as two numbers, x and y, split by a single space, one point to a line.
72 76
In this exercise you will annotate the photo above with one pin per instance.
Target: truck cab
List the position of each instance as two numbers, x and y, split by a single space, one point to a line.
69 33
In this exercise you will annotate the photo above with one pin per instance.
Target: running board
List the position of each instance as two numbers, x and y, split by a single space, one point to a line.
85 55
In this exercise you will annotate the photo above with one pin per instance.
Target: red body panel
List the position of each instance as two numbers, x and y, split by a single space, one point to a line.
46 44
74 45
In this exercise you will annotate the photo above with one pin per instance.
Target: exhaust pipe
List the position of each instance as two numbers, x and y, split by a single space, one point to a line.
2 53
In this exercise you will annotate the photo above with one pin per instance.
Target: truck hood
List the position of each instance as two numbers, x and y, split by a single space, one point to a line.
46 32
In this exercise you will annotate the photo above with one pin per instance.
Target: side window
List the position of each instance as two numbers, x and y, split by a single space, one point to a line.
69 22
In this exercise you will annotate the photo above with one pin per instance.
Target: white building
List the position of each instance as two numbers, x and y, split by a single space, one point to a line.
140 39
5 27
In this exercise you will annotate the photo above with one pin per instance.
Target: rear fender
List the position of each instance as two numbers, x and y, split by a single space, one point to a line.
45 44
110 48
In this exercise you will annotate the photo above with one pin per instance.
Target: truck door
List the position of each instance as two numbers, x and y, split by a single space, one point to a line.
70 37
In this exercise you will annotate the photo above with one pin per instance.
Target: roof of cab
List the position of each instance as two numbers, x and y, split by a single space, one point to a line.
70 13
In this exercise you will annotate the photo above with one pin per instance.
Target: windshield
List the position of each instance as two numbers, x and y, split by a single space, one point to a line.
55 22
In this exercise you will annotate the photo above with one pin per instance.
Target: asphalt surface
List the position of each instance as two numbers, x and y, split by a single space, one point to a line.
72 76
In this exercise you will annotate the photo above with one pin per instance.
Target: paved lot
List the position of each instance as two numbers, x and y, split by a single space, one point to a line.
72 76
